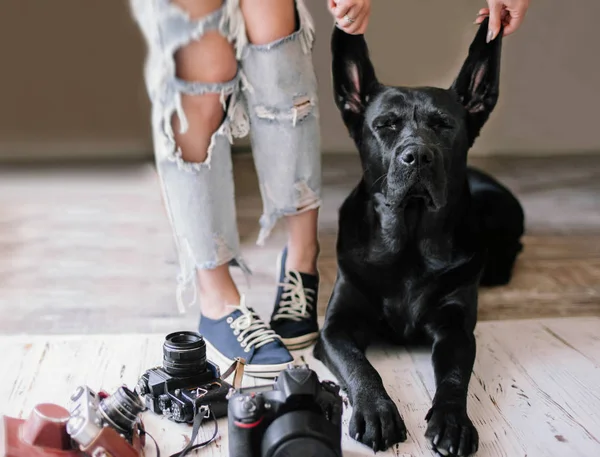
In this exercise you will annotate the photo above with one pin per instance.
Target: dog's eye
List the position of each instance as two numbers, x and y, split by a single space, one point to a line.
438 121
390 123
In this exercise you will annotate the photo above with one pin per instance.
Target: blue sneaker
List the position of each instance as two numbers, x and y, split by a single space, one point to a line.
243 334
295 315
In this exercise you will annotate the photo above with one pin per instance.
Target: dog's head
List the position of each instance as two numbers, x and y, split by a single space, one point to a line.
413 142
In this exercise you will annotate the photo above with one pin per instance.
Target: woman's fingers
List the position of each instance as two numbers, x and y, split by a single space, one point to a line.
341 9
509 21
352 17
483 13
495 22
363 26
517 15
359 27
505 17
513 24
331 4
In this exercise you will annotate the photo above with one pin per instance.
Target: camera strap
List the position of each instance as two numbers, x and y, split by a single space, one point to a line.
201 414
238 367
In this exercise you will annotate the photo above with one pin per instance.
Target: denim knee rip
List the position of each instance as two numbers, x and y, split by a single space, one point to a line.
203 219
175 30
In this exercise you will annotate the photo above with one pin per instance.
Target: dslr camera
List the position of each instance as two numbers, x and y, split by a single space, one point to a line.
185 382
104 425
300 416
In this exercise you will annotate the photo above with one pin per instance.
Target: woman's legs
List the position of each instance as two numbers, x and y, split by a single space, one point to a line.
194 85
268 21
211 59
303 243
284 127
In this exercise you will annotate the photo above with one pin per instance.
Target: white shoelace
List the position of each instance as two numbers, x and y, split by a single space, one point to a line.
296 301
250 329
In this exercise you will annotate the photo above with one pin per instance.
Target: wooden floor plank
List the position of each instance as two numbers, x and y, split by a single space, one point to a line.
530 395
562 372
20 373
538 407
582 335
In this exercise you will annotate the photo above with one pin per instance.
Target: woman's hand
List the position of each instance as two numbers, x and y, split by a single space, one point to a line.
352 16
509 13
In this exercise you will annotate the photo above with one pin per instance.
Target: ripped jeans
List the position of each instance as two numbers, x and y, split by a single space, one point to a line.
273 97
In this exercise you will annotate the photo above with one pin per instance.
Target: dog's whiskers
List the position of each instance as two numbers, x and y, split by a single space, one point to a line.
384 176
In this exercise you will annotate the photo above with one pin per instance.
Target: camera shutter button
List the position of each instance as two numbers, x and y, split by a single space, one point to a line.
249 406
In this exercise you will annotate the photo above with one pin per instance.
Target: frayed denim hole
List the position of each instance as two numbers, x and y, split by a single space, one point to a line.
302 107
305 199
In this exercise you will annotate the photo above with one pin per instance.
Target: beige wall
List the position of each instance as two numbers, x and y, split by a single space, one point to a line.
71 74
70 79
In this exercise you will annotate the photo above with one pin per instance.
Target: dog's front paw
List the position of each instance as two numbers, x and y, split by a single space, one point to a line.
377 423
451 432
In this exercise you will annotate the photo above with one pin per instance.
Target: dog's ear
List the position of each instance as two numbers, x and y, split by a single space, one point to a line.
477 85
353 76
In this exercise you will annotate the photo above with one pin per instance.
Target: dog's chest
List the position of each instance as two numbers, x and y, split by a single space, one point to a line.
402 310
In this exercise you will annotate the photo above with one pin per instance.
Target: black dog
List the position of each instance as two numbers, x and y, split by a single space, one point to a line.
417 235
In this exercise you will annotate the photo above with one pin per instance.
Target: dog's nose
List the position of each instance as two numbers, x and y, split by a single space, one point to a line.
417 156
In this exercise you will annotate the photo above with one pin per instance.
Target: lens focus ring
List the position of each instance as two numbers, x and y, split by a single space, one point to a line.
122 409
184 354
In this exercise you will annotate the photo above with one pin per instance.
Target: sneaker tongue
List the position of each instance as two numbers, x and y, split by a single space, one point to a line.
235 314
308 281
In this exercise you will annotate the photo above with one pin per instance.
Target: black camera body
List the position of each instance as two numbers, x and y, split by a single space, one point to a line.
300 416
185 382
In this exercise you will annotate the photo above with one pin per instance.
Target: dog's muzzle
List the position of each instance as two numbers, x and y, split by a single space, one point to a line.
420 157
416 173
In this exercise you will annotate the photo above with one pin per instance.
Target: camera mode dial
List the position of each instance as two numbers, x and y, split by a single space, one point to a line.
247 409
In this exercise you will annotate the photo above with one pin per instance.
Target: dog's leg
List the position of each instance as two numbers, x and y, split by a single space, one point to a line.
375 420
449 428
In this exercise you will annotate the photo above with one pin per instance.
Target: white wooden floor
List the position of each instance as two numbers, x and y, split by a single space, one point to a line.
535 390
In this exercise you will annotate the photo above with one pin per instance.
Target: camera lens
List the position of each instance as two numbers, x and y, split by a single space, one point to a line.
184 354
121 409
301 434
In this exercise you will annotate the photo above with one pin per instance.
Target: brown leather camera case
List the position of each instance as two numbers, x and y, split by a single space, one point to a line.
42 434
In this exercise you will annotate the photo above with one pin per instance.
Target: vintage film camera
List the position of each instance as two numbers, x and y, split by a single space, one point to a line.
96 425
186 382
300 416
103 425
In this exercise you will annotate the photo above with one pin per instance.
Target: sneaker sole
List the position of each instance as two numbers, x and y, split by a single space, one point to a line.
252 370
300 342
